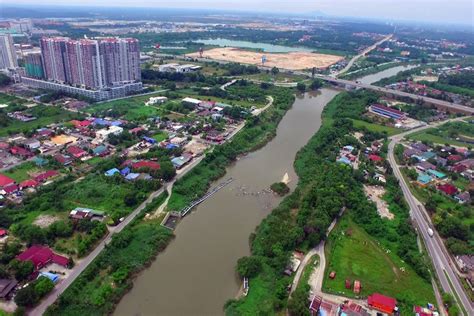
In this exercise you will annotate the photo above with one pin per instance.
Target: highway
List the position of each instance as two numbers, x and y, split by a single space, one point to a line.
365 51
434 245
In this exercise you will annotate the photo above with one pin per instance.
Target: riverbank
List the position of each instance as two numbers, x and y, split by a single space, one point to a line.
258 131
301 220
110 276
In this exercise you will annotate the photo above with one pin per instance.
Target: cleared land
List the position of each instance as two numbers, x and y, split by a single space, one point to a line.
292 60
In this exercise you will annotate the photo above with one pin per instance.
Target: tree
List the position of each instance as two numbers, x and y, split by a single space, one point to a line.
301 87
43 286
23 269
316 84
26 297
249 266
275 71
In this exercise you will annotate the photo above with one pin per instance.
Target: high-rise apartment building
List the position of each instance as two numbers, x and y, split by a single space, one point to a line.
8 58
55 59
34 65
93 64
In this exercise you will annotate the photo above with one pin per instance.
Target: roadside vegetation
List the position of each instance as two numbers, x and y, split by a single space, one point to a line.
101 286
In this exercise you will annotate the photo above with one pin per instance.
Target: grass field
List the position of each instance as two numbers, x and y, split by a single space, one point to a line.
132 109
45 115
376 127
355 255
21 172
160 136
426 136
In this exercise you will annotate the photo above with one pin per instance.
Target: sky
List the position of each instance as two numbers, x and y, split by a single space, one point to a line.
438 11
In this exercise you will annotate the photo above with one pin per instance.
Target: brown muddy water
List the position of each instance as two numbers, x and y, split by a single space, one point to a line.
195 275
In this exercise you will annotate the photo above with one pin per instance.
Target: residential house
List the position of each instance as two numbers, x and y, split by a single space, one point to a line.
27 184
463 198
438 175
76 152
65 160
46 175
448 189
428 155
382 303
22 152
41 256
423 179
425 166
5 181
104 133
410 152
6 287
100 151
32 144
420 146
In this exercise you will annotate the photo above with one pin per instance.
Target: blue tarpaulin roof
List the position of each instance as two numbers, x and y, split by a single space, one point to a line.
125 171
171 146
149 139
132 176
53 277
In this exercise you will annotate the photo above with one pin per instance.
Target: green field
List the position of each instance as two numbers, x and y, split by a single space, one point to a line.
21 172
449 133
355 255
45 115
376 127
133 109
160 136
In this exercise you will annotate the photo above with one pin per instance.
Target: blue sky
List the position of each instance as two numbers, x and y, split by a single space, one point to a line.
440 11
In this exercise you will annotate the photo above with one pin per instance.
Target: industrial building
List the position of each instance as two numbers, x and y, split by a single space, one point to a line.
386 111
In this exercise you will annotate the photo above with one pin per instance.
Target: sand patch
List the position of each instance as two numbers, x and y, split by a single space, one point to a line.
44 221
291 61
375 194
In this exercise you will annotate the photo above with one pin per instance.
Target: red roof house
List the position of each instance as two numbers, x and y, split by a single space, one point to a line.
455 158
42 256
3 232
382 303
30 183
375 158
4 180
10 188
46 175
76 152
83 123
19 151
146 164
447 188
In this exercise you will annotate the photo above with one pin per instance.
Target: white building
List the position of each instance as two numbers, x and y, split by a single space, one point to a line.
191 101
155 100
8 58
178 68
104 133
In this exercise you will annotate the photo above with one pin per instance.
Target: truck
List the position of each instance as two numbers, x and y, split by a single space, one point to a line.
430 232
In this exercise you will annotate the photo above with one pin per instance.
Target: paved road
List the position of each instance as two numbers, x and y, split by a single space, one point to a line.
82 265
435 246
365 51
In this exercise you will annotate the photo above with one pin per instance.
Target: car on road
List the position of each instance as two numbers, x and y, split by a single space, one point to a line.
430 232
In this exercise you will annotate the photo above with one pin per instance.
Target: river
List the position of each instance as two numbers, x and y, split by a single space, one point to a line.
369 79
195 275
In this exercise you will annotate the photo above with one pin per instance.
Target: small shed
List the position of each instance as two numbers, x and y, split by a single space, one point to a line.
332 275
348 284
357 286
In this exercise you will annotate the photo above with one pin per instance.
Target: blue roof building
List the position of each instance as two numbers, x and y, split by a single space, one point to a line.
99 150
53 277
344 160
125 171
423 178
171 146
111 172
428 155
437 174
149 140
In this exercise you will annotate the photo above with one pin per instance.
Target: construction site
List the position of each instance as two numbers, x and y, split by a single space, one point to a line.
291 60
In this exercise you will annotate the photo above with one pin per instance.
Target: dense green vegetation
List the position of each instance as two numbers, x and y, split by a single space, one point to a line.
322 192
463 80
280 188
99 288
258 131
34 292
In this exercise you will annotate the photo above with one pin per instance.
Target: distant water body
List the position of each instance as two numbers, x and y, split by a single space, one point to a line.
268 48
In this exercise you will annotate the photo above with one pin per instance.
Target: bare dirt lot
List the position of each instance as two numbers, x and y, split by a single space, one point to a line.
375 193
44 221
291 61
